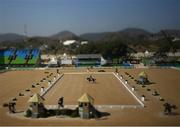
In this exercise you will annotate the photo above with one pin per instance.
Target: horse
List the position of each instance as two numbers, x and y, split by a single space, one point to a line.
168 108
91 79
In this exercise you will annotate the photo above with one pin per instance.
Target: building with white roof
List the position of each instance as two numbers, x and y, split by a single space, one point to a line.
66 60
84 42
69 42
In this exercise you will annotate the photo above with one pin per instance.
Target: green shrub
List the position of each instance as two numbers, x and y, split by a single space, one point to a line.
43 114
67 112
52 112
28 113
58 112
75 113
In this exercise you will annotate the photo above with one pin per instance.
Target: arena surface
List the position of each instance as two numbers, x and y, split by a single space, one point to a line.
107 91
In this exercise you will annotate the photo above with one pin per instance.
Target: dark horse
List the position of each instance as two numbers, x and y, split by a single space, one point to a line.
91 79
168 108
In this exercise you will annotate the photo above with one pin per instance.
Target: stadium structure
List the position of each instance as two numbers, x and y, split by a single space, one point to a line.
88 60
22 57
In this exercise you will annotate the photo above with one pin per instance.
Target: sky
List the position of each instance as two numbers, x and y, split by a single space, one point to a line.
47 17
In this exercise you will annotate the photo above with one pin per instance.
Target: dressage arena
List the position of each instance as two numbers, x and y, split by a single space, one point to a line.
111 94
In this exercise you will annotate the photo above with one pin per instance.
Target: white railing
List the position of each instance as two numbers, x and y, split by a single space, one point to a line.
52 84
128 88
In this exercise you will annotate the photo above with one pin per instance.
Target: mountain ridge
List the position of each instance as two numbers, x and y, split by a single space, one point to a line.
11 37
96 36
64 35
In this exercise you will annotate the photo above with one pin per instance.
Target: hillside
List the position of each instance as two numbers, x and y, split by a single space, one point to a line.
126 33
135 32
11 37
135 38
94 36
172 32
64 35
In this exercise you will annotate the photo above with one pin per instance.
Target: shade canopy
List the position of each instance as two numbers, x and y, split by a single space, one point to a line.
143 74
36 98
86 98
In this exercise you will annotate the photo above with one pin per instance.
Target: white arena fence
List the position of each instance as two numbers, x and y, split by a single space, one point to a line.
97 106
127 86
52 84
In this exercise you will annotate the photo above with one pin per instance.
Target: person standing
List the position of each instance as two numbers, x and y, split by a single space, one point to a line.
117 72
13 107
61 102
9 107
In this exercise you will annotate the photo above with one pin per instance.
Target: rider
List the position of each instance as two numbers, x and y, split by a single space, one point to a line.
90 77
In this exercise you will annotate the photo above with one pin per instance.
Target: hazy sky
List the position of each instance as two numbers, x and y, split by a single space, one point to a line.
46 17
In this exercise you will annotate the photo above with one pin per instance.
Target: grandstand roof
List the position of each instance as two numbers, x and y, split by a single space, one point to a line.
90 56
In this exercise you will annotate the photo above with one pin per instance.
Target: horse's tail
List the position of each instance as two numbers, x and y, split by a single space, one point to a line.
174 106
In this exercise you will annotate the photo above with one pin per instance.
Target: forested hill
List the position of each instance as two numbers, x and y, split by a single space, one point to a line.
126 33
131 39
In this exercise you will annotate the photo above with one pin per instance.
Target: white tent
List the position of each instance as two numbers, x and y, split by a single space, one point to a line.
69 42
103 61
53 61
65 60
146 52
84 42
